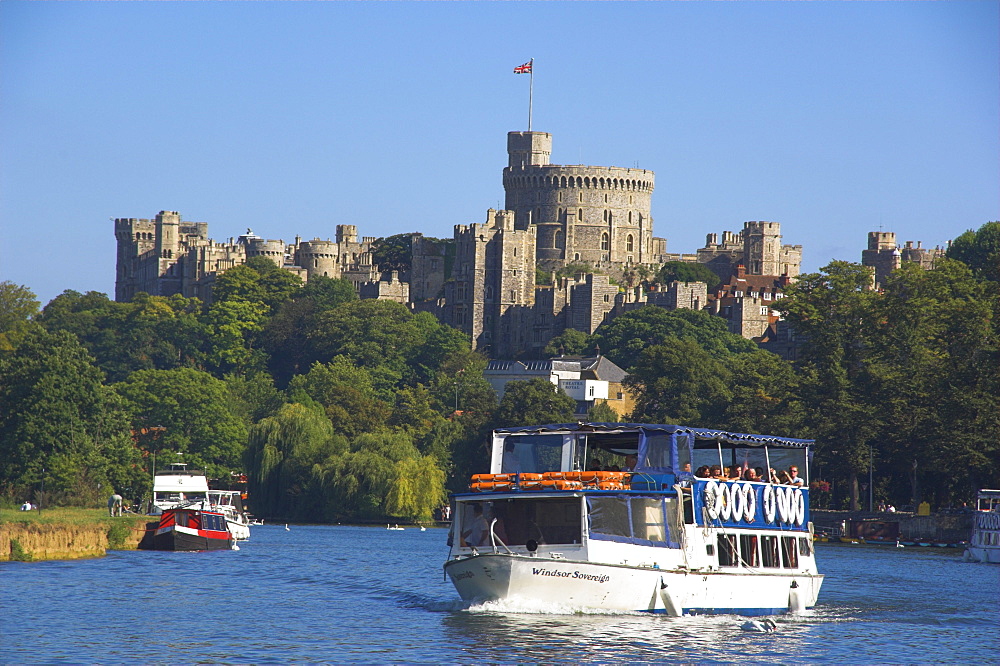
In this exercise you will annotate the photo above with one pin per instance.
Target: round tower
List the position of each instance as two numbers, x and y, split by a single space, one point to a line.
593 214
318 257
272 249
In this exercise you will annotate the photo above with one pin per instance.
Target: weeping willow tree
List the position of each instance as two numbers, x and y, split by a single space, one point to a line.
383 475
416 490
280 458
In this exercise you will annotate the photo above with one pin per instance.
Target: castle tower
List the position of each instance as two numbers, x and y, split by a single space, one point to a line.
762 248
598 215
493 285
319 257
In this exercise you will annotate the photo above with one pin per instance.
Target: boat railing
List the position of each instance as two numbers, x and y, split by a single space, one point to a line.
494 539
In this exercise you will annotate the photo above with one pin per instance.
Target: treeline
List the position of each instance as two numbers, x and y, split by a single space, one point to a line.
339 409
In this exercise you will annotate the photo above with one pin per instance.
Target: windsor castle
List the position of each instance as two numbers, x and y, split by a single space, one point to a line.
588 229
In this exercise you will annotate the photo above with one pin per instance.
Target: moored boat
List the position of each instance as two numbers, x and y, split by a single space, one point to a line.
541 527
183 500
190 528
984 545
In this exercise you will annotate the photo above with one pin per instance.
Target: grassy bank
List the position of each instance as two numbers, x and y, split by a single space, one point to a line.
63 533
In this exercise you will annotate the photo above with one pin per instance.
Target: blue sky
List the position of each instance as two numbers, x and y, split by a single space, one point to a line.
834 119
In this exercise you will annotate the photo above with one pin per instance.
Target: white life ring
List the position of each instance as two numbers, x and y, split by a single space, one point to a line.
710 497
726 495
739 501
782 502
800 507
769 504
749 502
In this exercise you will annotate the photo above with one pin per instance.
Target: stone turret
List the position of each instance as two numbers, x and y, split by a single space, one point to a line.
598 215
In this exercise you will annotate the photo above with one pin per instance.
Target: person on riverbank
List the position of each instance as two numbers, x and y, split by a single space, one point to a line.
26 506
115 505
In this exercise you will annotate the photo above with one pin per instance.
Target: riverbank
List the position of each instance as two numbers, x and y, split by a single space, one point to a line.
66 533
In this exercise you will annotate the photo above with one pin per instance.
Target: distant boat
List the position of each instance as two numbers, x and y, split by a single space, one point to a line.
984 546
394 528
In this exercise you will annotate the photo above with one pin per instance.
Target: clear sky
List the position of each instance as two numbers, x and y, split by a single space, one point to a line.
834 119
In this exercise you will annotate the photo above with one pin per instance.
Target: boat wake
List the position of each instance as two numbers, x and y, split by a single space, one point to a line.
538 607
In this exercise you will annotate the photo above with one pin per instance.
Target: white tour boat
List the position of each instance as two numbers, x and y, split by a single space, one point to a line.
542 527
179 487
984 546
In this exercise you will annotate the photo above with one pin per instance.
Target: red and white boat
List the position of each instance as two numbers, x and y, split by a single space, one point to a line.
190 528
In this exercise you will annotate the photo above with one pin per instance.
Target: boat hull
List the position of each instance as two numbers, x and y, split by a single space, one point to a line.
578 584
983 554
179 538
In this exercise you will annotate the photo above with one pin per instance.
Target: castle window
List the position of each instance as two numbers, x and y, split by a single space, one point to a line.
557 238
764 310
605 198
576 256
515 251
513 295
559 197
579 213
629 242
581 197
607 298
605 215
605 240
630 218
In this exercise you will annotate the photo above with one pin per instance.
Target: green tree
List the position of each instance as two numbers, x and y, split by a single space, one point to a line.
233 329
935 371
686 271
60 424
195 409
602 412
150 332
533 402
347 393
285 336
570 341
393 253
283 456
679 382
980 251
835 310
259 280
17 306
624 338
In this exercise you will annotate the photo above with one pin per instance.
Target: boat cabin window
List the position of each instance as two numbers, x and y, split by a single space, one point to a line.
532 453
748 550
789 553
519 520
641 520
805 546
727 550
769 549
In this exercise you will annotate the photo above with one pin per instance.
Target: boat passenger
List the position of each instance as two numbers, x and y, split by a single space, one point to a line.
783 477
475 534
793 477
631 460
750 474
595 466
717 472
702 472
734 473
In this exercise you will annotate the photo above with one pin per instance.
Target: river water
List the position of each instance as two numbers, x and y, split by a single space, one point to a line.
344 594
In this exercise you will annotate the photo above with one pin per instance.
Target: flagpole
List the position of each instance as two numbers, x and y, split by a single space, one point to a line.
531 88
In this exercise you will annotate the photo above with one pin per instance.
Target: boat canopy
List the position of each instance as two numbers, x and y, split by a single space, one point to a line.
704 437
659 448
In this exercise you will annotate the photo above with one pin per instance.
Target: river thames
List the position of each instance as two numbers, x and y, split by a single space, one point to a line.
343 594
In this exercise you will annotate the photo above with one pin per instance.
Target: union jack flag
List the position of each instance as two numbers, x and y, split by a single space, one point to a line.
524 69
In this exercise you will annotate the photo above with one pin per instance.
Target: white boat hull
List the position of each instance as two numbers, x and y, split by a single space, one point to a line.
577 584
983 554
